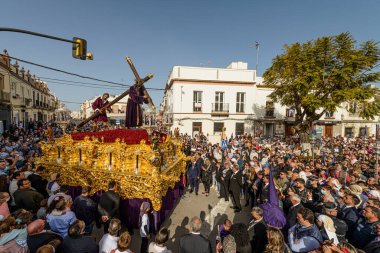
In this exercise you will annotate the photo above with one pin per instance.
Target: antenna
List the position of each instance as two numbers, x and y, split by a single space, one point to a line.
257 46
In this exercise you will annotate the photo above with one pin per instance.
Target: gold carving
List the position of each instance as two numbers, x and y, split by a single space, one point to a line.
140 171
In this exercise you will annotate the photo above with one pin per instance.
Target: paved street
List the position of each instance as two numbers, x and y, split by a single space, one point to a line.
211 210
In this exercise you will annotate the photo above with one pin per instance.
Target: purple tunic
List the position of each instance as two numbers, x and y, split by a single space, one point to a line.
273 215
99 104
134 111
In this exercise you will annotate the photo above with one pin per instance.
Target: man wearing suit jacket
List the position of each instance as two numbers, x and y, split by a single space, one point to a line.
38 182
257 230
349 213
225 179
296 205
264 190
108 206
236 182
194 242
194 171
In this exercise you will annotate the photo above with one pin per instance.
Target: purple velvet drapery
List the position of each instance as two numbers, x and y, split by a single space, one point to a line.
129 208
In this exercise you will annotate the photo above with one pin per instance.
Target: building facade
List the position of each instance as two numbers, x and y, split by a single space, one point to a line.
208 100
23 97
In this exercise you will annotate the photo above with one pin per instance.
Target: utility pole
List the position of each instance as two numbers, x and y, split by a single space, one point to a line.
257 46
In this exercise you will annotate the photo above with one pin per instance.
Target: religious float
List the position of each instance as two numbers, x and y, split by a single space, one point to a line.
145 167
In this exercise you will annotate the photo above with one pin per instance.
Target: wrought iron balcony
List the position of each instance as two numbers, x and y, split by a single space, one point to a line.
220 108
27 101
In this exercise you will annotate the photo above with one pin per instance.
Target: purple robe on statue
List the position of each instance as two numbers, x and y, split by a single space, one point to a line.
134 114
273 215
99 104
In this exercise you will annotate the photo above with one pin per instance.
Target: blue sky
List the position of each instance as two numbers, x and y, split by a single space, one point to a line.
159 34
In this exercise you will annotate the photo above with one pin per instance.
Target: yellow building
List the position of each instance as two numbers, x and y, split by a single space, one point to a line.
23 97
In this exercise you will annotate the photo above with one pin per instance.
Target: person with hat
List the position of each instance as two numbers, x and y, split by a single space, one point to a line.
327 228
357 190
331 210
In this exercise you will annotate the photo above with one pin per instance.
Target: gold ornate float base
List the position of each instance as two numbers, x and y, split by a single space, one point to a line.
142 170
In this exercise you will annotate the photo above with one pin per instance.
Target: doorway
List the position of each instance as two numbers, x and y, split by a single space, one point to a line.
197 128
328 130
269 130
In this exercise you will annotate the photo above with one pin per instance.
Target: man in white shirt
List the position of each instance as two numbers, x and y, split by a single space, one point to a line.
109 240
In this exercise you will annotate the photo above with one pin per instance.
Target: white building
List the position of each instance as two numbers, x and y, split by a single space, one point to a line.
206 100
75 115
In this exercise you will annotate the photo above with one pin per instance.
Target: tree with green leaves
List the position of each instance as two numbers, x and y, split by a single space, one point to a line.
320 75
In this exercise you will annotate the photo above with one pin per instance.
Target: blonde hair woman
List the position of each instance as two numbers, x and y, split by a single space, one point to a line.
276 242
327 228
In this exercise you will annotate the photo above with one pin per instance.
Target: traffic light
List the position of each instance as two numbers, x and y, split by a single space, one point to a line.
79 48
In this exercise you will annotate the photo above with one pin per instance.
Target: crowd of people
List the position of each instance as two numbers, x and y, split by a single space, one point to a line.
39 215
329 202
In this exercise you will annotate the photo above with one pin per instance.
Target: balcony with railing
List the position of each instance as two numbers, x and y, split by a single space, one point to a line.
269 113
168 119
220 109
5 96
27 101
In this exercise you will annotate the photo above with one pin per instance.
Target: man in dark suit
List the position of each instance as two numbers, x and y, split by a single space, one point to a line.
38 182
236 182
108 206
194 242
193 172
264 190
296 205
225 179
257 230
349 213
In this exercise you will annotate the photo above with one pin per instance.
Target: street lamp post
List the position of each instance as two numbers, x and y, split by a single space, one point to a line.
312 142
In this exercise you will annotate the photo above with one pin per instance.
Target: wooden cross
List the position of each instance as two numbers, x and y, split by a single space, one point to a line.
139 83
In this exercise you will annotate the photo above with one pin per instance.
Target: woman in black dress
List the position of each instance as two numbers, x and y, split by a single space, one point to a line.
207 176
